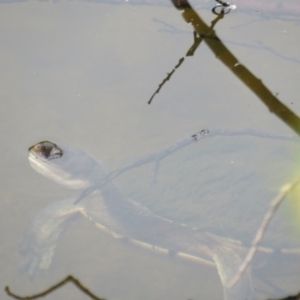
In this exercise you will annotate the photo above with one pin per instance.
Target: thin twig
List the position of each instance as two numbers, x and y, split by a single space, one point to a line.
294 297
262 229
69 278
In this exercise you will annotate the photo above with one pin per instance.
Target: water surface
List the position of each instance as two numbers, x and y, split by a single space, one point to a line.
82 73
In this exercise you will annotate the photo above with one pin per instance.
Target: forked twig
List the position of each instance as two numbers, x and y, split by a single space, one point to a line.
69 278
287 188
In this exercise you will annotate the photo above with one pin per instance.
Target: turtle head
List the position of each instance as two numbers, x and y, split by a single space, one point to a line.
65 165
45 150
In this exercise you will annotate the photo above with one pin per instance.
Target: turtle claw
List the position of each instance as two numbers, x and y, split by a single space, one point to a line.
34 264
36 254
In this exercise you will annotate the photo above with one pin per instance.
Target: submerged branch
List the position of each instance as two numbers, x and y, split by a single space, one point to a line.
285 190
69 278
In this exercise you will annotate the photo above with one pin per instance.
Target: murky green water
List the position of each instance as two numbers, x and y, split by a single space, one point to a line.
81 73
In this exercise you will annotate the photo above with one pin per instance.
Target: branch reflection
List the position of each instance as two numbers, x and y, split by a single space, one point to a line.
222 53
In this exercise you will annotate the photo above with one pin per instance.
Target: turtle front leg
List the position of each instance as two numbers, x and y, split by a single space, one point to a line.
42 235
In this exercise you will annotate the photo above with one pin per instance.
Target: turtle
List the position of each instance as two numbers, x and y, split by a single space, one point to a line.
122 218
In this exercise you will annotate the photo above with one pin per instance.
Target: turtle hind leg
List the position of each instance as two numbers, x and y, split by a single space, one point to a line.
227 257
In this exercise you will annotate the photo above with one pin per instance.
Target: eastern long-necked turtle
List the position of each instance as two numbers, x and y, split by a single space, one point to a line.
119 217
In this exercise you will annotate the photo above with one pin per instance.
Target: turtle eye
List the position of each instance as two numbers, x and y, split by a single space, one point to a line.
46 151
